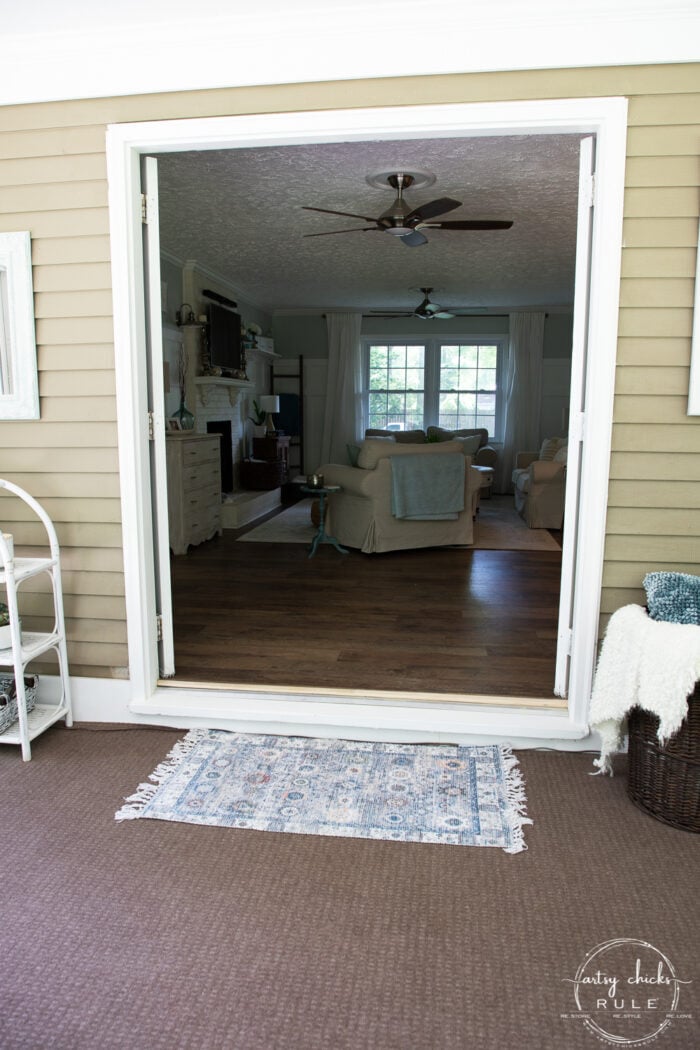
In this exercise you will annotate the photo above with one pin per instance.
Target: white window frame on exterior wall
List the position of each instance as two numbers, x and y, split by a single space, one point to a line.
294 711
432 376
19 386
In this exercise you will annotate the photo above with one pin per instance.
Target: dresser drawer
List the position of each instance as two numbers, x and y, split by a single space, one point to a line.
201 451
201 476
203 499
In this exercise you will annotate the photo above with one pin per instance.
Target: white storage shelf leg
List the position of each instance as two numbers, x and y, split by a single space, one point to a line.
27 646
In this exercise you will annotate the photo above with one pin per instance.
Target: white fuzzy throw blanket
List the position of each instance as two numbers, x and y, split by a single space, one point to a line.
647 663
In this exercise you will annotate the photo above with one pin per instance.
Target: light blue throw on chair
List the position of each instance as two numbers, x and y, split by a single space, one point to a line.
427 488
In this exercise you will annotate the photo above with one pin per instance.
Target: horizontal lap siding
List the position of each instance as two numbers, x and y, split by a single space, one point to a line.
653 520
53 183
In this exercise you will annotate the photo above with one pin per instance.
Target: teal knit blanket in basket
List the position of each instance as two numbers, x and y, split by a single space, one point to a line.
673 596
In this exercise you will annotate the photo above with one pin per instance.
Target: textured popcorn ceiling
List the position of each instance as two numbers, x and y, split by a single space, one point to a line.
239 212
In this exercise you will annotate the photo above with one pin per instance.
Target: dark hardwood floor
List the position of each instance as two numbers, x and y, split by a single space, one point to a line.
440 621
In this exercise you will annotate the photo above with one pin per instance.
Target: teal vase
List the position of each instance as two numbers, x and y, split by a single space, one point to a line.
184 415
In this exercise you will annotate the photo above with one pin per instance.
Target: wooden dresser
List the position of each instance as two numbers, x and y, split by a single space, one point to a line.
194 488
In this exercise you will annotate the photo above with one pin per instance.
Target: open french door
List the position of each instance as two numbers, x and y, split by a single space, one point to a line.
577 407
156 408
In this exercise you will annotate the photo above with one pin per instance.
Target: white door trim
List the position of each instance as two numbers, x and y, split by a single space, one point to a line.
606 118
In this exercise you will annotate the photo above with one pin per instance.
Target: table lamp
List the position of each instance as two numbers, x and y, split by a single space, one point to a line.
270 403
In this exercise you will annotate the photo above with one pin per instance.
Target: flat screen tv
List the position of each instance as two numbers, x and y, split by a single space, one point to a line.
224 338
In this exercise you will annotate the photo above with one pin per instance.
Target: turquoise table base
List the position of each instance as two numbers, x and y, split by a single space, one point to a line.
321 534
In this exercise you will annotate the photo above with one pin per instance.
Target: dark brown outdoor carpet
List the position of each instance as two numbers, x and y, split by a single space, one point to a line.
150 935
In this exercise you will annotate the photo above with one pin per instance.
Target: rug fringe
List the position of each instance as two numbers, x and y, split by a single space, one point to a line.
517 799
145 792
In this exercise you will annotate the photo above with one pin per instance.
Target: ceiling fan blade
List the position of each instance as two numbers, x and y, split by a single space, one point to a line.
468 224
431 209
442 315
412 240
350 214
351 229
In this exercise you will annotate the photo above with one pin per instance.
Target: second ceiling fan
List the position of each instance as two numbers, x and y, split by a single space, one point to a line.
426 310
407 223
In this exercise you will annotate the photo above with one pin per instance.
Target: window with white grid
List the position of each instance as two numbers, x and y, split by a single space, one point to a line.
396 386
452 383
468 386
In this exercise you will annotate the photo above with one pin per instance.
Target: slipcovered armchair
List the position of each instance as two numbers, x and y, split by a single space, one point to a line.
539 482
360 515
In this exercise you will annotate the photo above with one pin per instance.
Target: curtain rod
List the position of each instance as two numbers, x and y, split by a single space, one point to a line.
409 316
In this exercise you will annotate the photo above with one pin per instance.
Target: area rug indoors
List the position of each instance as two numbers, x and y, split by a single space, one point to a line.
293 525
498 527
463 796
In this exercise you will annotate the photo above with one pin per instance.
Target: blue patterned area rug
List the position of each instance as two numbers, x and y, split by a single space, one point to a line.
462 796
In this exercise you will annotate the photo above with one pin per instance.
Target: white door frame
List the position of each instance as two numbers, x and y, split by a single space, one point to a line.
606 118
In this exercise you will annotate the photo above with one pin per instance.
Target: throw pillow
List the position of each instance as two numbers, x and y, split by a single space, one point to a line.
353 454
470 445
550 447
561 454
440 434
673 596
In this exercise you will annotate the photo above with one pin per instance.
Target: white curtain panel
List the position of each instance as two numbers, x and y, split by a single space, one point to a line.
523 391
342 422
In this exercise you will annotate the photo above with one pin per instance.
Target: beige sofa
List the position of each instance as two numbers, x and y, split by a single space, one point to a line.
539 482
360 515
484 454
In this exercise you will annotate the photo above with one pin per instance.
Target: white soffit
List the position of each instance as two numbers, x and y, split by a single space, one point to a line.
93 48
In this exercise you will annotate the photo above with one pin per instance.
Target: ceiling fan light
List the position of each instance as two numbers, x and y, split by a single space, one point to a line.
399 231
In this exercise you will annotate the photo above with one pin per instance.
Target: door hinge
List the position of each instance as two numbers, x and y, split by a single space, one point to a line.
565 640
577 425
151 427
144 208
159 627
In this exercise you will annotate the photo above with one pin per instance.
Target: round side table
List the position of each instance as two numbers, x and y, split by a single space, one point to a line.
321 534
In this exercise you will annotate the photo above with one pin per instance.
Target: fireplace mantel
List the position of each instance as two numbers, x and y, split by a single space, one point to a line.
206 384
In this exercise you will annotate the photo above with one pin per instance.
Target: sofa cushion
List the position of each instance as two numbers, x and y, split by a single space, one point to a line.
374 449
470 445
441 434
521 480
411 437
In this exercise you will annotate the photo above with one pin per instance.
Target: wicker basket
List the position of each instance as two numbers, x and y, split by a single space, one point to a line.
664 779
8 698
262 474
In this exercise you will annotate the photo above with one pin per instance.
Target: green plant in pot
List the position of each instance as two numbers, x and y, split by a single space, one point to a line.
5 632
258 419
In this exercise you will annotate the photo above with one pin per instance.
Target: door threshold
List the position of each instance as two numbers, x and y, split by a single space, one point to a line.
551 703
359 716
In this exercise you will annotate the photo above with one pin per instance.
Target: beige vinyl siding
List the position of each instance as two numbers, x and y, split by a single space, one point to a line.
53 183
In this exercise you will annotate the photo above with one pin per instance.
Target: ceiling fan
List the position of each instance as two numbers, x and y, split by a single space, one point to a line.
427 310
406 223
